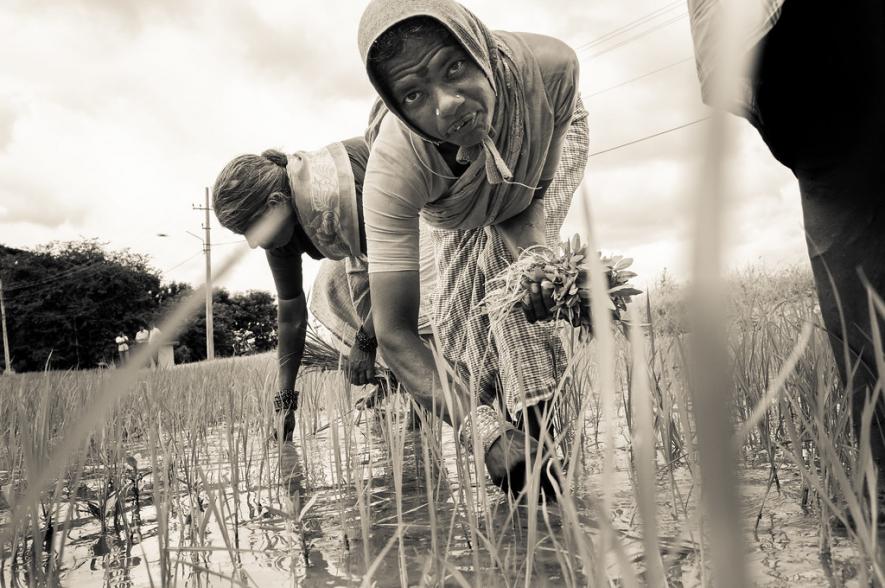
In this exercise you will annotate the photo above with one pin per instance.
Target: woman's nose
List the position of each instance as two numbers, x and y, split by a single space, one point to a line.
448 101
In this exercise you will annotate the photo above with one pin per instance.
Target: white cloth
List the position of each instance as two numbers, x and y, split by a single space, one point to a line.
703 16
340 293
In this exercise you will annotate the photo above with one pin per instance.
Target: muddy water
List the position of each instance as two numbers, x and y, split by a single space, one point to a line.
298 519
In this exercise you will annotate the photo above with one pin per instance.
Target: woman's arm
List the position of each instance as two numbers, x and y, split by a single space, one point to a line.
291 330
527 228
405 352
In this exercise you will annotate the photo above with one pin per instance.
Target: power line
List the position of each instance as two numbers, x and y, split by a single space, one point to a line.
60 276
645 75
178 265
647 137
629 26
638 36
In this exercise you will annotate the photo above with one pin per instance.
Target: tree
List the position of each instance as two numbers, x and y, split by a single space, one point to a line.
67 301
243 324
255 319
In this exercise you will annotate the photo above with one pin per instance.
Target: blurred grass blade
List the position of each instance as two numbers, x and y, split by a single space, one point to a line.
644 453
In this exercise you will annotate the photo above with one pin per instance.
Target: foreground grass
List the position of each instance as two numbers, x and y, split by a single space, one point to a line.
188 448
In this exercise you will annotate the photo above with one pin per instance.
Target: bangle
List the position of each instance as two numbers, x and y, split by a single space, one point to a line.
366 343
286 399
487 422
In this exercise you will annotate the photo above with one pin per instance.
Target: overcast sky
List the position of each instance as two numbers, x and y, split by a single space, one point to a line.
115 114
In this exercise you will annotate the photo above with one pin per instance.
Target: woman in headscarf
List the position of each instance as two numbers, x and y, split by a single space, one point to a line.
313 201
481 134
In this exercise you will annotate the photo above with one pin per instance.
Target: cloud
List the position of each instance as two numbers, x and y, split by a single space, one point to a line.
317 54
9 113
115 127
126 16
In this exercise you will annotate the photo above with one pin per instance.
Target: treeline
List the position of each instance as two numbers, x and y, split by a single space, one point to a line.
66 302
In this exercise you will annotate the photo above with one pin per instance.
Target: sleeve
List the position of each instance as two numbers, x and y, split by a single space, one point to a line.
358 153
561 72
395 190
285 266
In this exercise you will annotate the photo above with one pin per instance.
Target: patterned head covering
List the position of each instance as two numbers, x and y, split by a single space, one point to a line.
324 199
522 124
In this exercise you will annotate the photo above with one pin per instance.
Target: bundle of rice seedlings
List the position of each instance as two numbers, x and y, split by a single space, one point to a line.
561 273
319 354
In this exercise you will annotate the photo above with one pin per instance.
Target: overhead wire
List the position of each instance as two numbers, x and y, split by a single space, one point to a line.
637 78
56 277
629 26
644 33
652 136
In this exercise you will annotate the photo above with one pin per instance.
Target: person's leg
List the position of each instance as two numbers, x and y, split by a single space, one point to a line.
844 210
819 94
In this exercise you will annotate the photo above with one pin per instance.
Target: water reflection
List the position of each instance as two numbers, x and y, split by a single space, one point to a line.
321 510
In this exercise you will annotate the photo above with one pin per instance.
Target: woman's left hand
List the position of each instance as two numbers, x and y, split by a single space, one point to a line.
360 367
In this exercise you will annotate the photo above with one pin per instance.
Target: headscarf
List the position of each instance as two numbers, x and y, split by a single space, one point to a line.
324 199
522 124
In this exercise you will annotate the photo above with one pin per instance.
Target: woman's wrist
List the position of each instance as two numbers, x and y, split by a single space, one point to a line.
286 399
365 342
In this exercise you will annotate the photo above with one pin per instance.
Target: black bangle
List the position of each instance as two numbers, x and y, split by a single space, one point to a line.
366 343
286 399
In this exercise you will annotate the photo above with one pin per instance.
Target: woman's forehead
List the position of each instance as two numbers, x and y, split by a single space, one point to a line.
418 55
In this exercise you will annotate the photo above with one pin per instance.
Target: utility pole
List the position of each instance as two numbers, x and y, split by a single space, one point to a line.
207 252
6 358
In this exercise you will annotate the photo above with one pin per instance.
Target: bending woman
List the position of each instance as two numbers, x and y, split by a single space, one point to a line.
315 198
481 134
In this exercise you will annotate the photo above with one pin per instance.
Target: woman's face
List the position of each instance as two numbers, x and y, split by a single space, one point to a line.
440 90
272 228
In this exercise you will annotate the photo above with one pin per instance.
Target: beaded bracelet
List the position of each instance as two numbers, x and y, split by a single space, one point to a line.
366 343
489 426
286 399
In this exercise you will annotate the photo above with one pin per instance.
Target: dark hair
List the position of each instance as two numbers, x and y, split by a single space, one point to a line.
390 43
244 185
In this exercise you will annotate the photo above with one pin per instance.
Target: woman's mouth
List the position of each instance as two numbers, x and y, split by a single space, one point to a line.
466 122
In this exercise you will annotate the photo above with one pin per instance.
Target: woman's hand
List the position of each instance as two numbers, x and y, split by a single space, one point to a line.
360 368
537 302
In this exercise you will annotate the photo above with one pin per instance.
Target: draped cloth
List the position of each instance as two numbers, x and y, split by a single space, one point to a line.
325 201
339 297
523 361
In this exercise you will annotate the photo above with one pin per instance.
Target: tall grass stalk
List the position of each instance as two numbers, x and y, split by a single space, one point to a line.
644 453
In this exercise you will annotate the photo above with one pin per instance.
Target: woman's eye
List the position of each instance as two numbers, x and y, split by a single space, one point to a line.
411 97
456 67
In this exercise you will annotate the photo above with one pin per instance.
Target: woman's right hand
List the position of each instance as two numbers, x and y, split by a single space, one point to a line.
537 302
360 368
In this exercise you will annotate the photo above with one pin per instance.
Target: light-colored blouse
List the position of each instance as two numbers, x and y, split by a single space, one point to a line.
405 172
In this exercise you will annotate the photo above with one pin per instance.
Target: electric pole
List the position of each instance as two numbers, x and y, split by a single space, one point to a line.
207 252
6 359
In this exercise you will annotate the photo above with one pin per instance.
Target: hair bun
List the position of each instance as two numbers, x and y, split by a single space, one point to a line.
276 157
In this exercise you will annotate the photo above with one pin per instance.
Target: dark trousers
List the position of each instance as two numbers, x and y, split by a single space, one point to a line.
820 106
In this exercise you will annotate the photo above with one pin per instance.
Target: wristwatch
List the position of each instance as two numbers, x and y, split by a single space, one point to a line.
364 342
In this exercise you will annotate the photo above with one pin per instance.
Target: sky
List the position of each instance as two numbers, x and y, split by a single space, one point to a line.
115 115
